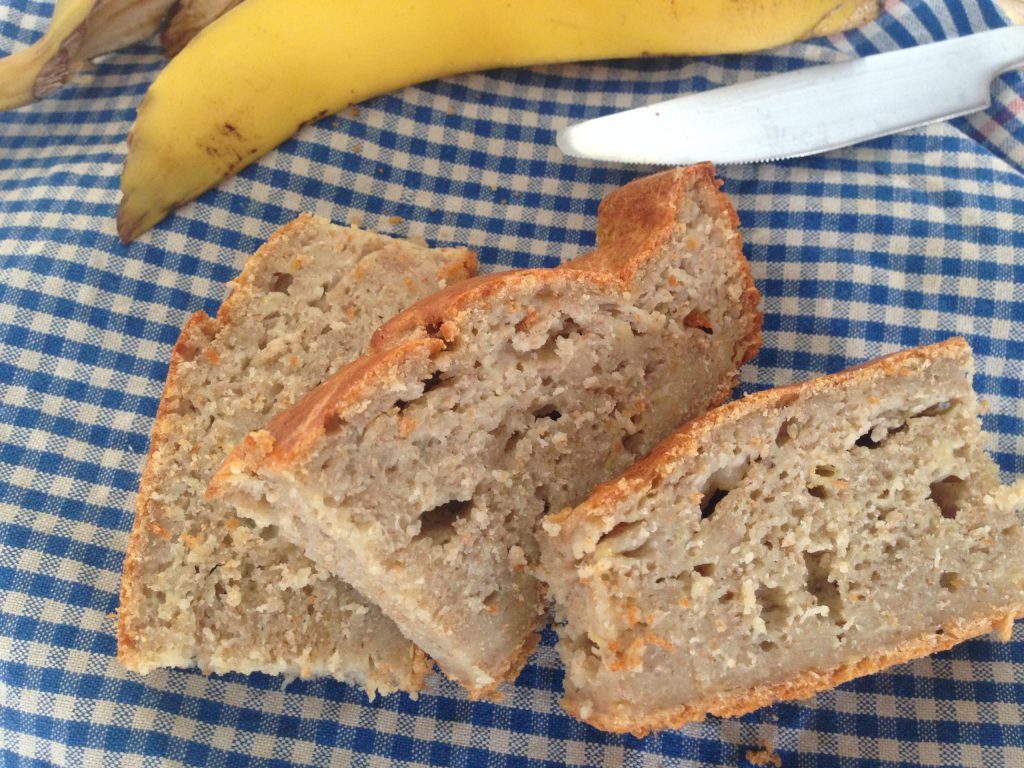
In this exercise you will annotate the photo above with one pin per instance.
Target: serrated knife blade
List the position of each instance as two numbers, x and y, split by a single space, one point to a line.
806 111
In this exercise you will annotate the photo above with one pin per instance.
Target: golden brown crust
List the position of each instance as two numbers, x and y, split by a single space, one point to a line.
636 220
633 223
736 703
651 469
431 316
127 648
293 431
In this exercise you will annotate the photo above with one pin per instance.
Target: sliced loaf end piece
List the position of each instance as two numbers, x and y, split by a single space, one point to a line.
785 543
419 472
204 587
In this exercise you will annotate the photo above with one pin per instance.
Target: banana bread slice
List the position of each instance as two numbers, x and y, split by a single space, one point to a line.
202 586
419 472
785 543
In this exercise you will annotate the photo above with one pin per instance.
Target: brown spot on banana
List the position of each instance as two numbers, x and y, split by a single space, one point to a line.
318 116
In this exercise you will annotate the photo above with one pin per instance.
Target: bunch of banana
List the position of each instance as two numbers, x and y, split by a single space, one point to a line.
81 30
268 67
265 68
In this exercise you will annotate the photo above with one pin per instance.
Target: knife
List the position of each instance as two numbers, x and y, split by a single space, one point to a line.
806 111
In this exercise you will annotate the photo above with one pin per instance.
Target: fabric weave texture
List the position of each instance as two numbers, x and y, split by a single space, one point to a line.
900 241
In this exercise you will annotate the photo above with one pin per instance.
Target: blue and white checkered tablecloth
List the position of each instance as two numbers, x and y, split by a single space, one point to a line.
901 241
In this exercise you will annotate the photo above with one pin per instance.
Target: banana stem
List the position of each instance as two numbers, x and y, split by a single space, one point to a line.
29 74
79 31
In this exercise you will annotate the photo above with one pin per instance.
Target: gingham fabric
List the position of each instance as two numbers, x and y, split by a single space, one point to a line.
900 241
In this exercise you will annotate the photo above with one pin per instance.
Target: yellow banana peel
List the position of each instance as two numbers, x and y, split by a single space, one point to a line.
267 67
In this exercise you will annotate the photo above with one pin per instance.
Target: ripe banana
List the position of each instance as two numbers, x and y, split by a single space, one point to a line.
79 31
267 67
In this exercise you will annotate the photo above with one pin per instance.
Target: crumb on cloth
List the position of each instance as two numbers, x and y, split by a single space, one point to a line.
764 756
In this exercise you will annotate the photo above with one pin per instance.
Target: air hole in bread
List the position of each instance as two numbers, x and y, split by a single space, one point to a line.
569 328
719 484
877 435
822 490
325 288
774 608
824 591
950 581
511 442
653 367
866 441
786 432
947 494
590 648
818 491
268 533
432 383
439 524
710 502
624 539
707 570
698 318
633 444
548 351
547 412
767 645
938 409
727 596
281 282
784 401
490 602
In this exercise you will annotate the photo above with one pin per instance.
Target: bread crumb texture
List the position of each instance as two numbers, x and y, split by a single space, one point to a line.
420 473
785 543
205 587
